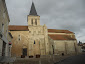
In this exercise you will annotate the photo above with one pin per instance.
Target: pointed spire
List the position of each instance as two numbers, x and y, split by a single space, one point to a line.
33 10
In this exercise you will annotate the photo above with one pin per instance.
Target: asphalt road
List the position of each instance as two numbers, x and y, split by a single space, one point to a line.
79 59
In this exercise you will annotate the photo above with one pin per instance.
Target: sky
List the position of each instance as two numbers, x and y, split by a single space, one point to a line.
56 14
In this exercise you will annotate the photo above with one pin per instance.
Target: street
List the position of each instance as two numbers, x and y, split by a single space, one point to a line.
79 59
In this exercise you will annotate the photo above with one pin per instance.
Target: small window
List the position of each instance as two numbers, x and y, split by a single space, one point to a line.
19 38
35 21
32 21
34 42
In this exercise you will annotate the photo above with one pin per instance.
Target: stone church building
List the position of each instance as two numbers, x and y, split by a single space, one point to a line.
36 39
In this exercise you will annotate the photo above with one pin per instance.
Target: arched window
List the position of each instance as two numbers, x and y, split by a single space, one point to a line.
34 41
35 21
32 21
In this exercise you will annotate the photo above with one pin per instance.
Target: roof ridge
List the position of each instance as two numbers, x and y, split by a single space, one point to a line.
59 29
18 25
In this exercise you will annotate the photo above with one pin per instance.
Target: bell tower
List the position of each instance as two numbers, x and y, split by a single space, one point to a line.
33 17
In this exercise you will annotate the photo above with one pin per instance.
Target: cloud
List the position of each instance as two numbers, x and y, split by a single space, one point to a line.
56 14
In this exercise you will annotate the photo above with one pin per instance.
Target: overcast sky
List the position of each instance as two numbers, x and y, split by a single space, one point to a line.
56 14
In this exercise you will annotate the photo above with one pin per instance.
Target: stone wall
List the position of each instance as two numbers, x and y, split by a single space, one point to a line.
65 46
51 46
35 40
20 40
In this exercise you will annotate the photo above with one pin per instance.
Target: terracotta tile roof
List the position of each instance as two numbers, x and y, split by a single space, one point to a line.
60 37
59 31
18 28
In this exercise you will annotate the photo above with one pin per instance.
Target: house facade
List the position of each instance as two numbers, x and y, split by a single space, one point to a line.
5 36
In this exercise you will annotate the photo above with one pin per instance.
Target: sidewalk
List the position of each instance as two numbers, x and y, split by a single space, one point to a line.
6 59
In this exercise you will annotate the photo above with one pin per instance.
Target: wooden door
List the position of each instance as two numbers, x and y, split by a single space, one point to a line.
25 51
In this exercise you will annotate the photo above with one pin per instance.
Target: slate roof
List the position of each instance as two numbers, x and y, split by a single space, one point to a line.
60 37
33 10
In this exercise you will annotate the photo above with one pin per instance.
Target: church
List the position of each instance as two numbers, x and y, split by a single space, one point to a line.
36 39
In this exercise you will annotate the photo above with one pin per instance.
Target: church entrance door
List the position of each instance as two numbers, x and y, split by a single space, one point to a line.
25 51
